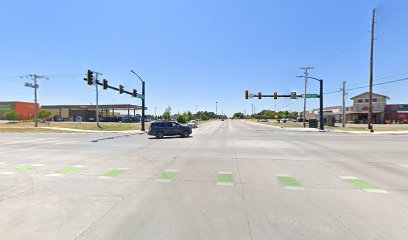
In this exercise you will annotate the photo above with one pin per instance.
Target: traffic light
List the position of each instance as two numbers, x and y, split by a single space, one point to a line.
120 89
90 78
293 95
105 84
259 95
134 94
275 95
246 94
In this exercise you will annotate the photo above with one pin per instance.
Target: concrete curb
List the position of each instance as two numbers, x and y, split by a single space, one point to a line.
338 131
78 130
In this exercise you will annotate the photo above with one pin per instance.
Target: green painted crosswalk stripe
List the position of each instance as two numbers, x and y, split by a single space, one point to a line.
359 183
289 182
68 170
225 178
168 176
114 173
23 169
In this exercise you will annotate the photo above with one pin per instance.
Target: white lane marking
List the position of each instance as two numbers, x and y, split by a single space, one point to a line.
405 165
7 173
1 163
283 175
294 188
123 168
162 180
105 177
172 170
225 184
78 166
348 177
54 174
19 150
224 172
64 142
37 165
375 190
33 140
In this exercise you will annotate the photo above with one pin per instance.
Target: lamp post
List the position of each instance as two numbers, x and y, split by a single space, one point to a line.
143 99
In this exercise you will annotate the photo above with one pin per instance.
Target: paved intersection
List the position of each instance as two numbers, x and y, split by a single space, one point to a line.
231 180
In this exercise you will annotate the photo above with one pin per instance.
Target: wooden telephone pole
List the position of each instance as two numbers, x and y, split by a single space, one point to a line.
370 106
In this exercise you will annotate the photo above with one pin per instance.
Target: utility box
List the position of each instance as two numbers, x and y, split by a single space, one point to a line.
313 123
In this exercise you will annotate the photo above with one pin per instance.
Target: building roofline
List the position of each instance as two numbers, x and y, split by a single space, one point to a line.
373 95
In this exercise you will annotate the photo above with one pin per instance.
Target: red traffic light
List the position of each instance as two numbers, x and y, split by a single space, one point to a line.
275 95
259 95
121 89
134 94
246 94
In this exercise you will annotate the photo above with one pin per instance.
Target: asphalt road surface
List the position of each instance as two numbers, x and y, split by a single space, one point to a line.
229 180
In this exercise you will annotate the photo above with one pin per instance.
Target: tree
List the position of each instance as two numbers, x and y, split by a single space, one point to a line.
44 114
180 119
238 115
11 115
167 113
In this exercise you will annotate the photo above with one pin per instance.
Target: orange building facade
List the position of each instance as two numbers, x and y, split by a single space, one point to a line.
26 110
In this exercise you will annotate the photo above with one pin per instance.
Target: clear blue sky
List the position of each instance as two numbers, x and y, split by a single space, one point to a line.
199 52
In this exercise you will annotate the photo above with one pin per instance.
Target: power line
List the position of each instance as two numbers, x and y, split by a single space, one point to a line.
376 84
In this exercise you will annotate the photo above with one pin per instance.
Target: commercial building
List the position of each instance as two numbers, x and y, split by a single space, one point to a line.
88 112
358 113
26 110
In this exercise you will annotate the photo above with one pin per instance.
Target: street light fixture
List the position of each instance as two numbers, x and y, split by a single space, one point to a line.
143 99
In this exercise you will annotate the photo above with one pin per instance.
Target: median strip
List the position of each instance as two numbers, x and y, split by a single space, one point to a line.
168 175
359 183
225 178
113 173
289 182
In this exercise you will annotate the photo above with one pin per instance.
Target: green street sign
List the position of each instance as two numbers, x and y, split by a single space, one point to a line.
140 96
310 96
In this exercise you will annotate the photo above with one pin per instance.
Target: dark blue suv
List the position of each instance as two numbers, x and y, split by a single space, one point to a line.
161 129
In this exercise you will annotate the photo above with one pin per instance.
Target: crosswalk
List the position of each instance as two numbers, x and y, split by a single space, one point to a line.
223 177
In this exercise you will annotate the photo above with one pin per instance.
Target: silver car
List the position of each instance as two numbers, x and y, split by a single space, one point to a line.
193 124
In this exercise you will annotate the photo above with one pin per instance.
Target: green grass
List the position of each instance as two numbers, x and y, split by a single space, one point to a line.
28 126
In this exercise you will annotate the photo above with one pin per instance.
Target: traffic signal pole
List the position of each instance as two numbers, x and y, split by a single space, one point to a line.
321 105
143 105
143 99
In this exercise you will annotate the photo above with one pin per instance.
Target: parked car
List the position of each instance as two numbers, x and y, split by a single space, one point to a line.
161 129
193 124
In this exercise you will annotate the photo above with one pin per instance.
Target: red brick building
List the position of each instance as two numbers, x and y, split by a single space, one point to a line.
26 110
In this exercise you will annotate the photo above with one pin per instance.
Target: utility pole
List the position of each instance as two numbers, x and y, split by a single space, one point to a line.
216 108
304 99
252 108
343 120
196 109
155 116
97 98
35 86
370 106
